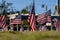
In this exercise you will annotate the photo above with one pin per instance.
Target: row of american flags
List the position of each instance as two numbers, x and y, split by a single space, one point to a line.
41 19
3 21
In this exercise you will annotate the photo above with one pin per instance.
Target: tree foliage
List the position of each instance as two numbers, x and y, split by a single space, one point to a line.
24 11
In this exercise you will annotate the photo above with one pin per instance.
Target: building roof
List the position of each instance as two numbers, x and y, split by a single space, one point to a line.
23 16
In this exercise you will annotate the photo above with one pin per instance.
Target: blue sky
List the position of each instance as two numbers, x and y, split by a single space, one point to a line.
20 4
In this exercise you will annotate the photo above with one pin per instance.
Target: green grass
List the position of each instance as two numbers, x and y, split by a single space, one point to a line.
49 35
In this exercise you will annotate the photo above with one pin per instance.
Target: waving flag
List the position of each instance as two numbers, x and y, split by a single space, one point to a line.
57 23
3 22
16 20
31 19
44 17
41 18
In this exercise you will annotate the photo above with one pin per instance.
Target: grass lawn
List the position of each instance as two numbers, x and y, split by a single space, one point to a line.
49 35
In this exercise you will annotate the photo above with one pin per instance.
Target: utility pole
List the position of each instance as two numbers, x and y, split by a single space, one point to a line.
45 7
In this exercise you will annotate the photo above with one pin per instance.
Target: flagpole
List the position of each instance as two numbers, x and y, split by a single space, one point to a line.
11 27
46 8
21 22
17 27
34 6
56 2
34 12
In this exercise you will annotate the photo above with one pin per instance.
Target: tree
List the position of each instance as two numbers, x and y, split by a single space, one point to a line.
24 11
25 25
4 7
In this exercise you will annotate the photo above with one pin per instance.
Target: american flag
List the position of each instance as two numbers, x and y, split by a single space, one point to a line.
31 19
44 17
41 18
3 22
16 20
57 24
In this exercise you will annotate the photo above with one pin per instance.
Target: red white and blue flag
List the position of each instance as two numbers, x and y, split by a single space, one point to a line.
57 24
41 18
31 19
3 22
44 17
16 20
